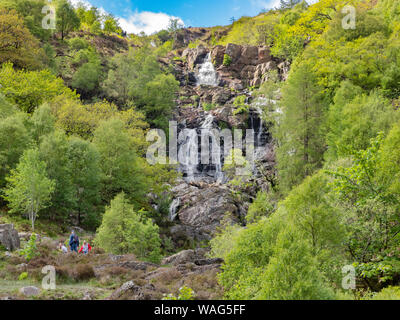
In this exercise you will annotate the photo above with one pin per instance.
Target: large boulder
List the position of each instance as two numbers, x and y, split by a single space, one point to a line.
185 256
195 56
9 237
249 55
201 210
234 51
131 291
29 291
217 55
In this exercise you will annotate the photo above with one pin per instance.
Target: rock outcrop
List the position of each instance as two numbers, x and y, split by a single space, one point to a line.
201 210
9 237
247 66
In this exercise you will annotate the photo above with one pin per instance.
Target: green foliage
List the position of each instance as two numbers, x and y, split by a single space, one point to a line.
17 45
23 276
86 180
221 244
119 162
125 230
208 106
249 256
14 139
86 78
29 189
31 12
41 123
391 293
6 108
354 121
227 60
300 135
136 77
29 89
185 293
241 105
29 251
292 273
54 153
261 207
67 19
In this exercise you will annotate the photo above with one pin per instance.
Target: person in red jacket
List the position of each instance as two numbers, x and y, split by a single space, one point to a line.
86 248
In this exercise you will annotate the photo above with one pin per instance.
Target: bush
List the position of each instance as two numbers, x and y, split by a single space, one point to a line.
83 272
30 249
23 276
125 230
390 293
227 60
185 293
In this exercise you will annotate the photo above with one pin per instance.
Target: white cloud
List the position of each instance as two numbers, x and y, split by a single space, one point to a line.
147 22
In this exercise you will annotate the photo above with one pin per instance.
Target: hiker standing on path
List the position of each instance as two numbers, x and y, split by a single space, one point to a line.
86 248
74 242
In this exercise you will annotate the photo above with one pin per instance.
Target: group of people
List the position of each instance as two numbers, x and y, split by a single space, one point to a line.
74 245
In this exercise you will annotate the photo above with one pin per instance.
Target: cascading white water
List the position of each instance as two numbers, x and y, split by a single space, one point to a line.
215 148
173 209
188 152
207 74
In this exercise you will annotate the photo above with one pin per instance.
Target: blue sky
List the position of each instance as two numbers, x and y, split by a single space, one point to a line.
150 16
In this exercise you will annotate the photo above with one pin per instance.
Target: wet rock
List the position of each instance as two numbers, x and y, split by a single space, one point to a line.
9 237
202 210
217 55
194 56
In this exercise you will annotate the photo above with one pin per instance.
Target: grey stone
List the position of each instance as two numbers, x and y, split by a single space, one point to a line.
29 291
9 237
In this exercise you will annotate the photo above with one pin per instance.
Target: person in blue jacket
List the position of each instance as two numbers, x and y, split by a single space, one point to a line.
74 242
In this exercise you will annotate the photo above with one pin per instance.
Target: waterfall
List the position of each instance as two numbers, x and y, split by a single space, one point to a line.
257 105
188 152
207 74
173 209
215 147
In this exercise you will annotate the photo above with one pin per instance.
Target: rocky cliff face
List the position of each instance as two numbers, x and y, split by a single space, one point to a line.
206 99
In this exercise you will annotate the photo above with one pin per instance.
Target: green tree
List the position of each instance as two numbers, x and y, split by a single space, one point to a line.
17 45
292 272
261 207
67 19
41 123
29 189
301 139
14 139
125 230
119 162
54 152
288 4
29 89
355 118
31 12
86 179
111 24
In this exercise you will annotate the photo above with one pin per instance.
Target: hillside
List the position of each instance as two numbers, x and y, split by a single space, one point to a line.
277 179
